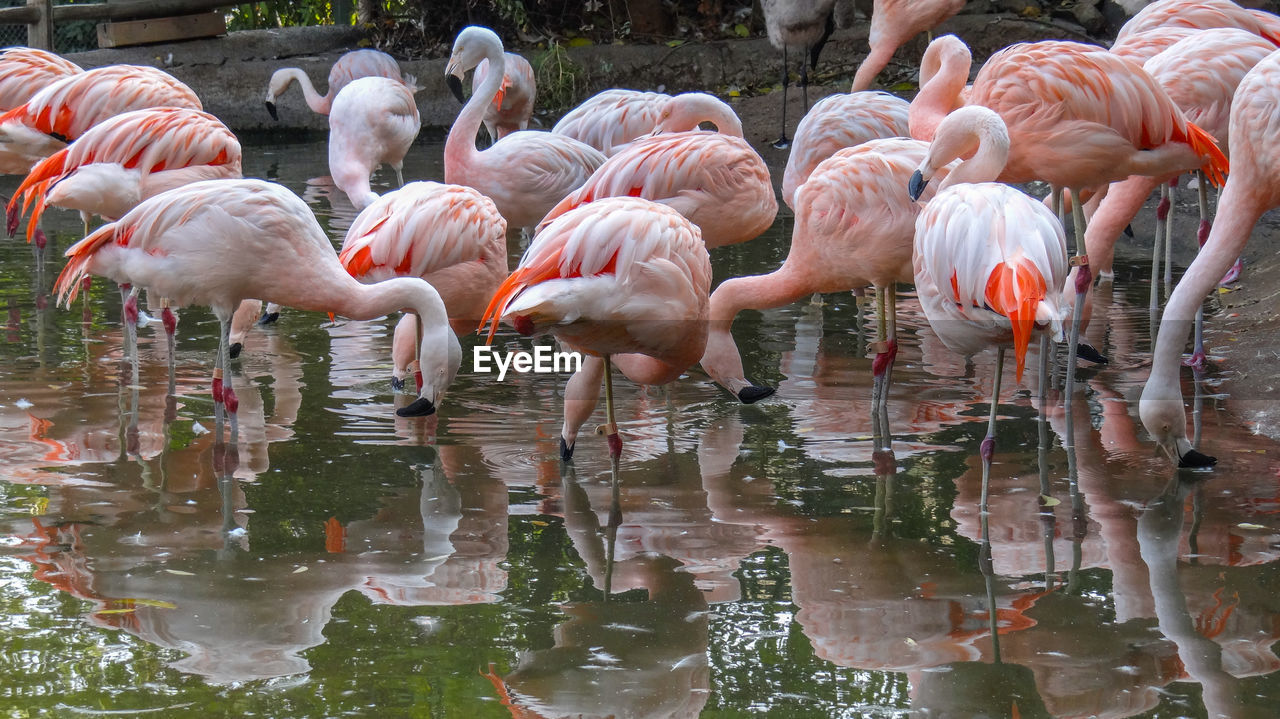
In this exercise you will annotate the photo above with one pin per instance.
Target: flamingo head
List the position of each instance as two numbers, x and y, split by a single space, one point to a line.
1162 414
473 44
440 355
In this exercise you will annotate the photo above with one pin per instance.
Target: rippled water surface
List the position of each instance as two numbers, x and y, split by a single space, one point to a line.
343 562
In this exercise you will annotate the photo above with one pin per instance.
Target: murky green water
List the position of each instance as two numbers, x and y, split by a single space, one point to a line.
343 562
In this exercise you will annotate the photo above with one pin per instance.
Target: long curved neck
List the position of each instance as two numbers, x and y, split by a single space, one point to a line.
460 146
317 102
938 96
987 161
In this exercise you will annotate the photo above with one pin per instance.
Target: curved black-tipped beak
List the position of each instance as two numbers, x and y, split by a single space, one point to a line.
234 350
1089 354
915 186
397 383
566 451
268 317
455 86
1194 459
754 393
421 407
271 109
1128 231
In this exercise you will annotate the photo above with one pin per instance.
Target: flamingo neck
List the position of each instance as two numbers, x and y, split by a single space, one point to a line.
460 145
988 161
317 102
939 94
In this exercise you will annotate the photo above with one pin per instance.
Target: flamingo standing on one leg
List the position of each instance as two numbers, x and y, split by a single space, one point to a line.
715 179
623 279
24 71
513 105
525 173
449 235
1252 188
805 24
205 243
836 122
854 228
990 261
65 110
351 66
373 122
894 22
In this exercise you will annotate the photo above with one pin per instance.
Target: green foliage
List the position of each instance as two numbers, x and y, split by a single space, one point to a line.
287 13
561 81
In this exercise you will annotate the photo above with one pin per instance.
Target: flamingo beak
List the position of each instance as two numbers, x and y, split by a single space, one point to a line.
916 185
455 86
271 110
420 407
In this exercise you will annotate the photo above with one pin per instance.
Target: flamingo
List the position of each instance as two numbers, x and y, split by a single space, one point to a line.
611 119
1142 46
1201 15
373 121
125 159
804 24
990 262
513 104
449 235
1252 188
351 66
715 179
204 243
65 110
893 23
854 227
525 173
1200 73
839 121
24 71
622 279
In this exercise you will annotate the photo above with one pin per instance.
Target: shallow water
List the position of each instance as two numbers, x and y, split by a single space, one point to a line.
340 559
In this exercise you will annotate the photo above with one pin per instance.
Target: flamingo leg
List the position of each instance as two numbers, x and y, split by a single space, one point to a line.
131 331
782 142
615 448
417 351
1197 359
987 449
170 321
881 348
1168 242
1084 281
1162 213
229 400
224 331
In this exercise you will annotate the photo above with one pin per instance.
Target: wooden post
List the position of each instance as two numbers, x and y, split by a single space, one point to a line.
40 32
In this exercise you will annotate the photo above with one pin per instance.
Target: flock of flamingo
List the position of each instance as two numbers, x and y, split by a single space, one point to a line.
624 197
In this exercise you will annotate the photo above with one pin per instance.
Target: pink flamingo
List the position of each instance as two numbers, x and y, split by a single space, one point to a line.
125 159
1200 73
351 66
893 23
1252 188
373 122
1201 15
204 243
1142 46
611 119
513 105
622 279
990 262
449 235
715 179
24 71
65 110
839 121
525 173
854 227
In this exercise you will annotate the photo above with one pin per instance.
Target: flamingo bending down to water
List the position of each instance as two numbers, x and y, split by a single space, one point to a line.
990 262
449 235
836 122
805 24
854 227
351 66
24 71
373 122
622 279
206 243
65 110
1252 188
525 173
124 160
513 105
893 23
716 180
